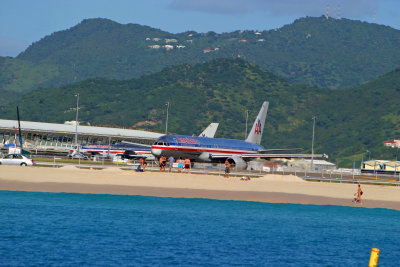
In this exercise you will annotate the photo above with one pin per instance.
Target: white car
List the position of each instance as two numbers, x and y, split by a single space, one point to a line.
16 159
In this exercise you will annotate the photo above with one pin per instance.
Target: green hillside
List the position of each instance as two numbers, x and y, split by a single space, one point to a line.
313 51
348 121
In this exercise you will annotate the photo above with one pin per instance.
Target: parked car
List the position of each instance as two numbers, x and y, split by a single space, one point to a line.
16 159
77 156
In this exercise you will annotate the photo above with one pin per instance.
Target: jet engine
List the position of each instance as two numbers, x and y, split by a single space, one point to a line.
240 164
205 156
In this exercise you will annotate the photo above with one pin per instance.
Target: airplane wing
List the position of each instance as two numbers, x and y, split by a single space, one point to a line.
267 156
281 149
286 156
136 144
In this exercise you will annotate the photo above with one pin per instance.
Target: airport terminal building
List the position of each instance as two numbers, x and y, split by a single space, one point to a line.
41 136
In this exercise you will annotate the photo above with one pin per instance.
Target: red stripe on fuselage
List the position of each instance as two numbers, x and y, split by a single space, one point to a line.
114 151
203 150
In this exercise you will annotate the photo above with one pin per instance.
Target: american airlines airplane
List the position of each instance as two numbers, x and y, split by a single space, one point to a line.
205 149
132 150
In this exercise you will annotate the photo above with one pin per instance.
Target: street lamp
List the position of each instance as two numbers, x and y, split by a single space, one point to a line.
369 154
76 129
76 119
247 117
166 122
312 143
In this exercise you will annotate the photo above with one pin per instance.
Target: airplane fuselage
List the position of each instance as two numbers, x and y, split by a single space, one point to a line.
117 149
200 148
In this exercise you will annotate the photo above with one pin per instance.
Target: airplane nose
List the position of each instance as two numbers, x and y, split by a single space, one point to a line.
156 152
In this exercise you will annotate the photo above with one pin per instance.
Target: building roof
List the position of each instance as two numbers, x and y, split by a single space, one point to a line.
320 162
390 142
381 162
82 130
393 163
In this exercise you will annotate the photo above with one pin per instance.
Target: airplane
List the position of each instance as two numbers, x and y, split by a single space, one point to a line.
131 150
205 149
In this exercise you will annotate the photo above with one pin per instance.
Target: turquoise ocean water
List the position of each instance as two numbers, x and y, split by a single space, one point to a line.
108 230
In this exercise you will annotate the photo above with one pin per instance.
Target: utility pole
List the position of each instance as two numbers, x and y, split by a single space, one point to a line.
166 122
312 143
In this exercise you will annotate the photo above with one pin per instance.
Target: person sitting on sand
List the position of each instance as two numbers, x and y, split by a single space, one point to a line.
227 168
358 195
187 165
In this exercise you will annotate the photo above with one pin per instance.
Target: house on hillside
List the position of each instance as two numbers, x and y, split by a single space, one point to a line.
395 143
154 46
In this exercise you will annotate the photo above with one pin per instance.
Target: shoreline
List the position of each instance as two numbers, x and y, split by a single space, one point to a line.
269 189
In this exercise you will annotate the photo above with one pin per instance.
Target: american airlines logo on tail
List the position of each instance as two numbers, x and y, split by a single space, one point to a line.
258 127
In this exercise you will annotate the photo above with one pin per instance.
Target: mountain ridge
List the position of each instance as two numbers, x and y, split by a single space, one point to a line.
314 51
348 121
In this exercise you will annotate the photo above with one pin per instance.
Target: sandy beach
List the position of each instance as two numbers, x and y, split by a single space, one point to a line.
269 188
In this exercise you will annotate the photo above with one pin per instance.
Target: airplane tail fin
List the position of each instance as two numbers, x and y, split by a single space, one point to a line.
210 130
258 126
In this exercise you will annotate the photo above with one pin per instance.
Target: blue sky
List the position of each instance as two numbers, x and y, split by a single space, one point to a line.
23 22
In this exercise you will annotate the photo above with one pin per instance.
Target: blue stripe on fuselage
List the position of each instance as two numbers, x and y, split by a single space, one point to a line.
205 142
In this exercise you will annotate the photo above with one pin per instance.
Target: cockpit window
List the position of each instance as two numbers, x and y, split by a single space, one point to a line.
161 144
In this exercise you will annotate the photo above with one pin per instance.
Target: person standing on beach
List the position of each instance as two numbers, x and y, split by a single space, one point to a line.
180 165
143 163
171 163
227 168
358 195
162 163
187 165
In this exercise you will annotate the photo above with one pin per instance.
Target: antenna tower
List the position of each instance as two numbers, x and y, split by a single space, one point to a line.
374 17
338 11
327 11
